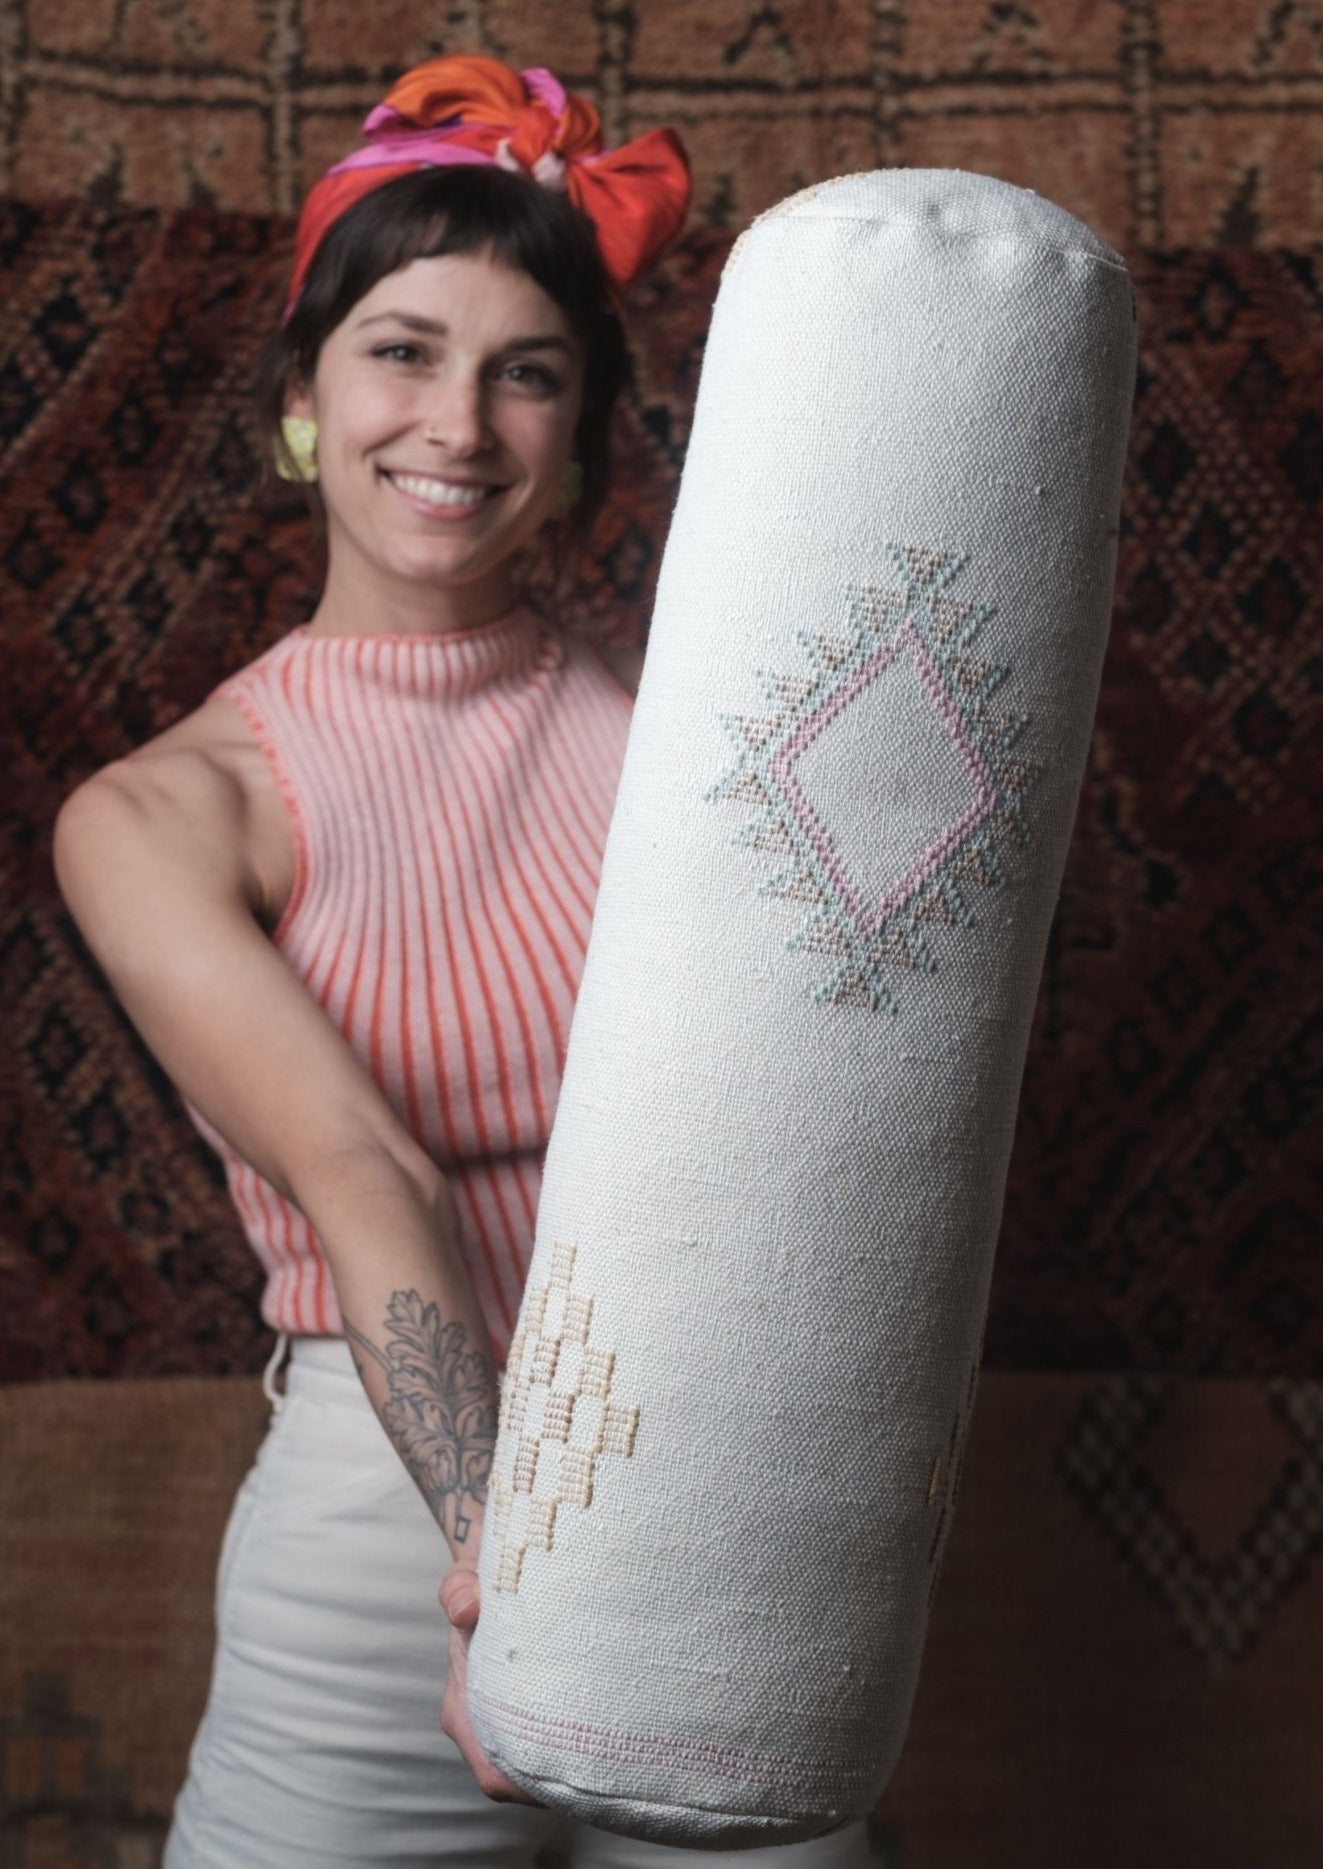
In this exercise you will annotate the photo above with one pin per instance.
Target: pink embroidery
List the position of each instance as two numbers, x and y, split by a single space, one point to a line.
703 1756
869 939
984 802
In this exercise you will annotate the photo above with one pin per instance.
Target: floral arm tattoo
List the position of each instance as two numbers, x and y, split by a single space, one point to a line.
441 1405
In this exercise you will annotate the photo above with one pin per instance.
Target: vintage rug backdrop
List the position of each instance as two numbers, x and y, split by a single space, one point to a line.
1125 1651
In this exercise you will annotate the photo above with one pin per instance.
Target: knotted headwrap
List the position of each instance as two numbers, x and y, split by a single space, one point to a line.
477 110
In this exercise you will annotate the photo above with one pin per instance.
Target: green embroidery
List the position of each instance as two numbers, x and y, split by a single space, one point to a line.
868 937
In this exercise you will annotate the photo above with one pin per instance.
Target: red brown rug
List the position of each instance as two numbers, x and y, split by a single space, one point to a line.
1162 1204
1165 124
1121 1666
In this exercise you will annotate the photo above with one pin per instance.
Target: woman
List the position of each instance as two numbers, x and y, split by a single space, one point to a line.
346 902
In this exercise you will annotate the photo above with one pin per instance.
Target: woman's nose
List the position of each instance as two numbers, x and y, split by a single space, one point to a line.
456 417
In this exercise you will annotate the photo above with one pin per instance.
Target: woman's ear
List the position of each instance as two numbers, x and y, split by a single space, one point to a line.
298 401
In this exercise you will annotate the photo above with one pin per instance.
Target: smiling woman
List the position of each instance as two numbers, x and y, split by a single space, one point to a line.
371 859
455 326
444 439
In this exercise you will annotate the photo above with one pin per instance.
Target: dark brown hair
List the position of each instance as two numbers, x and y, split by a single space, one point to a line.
466 209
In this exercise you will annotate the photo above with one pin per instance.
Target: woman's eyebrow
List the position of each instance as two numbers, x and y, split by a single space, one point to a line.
410 320
549 342
432 327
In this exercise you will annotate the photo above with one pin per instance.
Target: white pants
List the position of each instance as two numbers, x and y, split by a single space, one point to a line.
321 1746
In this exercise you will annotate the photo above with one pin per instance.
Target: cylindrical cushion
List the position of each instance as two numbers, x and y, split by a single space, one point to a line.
745 1361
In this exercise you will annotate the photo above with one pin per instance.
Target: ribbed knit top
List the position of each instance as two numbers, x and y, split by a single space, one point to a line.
449 798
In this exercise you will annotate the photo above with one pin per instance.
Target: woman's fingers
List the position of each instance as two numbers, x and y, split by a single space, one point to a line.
459 1599
459 1595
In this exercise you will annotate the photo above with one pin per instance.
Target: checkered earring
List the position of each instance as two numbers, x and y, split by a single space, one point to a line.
297 460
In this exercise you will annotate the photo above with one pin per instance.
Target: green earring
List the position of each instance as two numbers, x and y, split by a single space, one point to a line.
299 434
571 487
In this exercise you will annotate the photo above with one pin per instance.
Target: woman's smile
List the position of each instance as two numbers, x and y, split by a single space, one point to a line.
441 496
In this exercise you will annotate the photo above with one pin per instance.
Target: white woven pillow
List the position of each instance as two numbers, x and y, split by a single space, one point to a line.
742 1377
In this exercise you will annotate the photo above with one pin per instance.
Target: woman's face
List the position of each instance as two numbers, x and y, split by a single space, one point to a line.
446 405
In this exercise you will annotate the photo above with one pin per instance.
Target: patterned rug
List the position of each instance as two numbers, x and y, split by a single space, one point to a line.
1121 1665
1162 122
1164 1186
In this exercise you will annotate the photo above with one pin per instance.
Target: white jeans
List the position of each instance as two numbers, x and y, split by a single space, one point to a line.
321 1747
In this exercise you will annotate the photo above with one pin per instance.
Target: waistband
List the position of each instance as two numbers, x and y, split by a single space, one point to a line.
322 1353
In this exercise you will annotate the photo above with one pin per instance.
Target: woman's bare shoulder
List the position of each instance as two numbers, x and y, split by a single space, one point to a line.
205 763
197 796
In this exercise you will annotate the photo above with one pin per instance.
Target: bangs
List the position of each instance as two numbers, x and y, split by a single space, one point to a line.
434 212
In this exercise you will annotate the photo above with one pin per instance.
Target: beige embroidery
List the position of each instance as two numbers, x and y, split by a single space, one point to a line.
557 1419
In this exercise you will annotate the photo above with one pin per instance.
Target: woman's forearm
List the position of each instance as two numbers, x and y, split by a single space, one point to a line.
252 1050
414 1326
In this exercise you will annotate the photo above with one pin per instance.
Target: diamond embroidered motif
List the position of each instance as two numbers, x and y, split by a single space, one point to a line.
551 1437
945 832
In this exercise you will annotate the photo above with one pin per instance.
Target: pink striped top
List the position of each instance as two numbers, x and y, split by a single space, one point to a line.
449 798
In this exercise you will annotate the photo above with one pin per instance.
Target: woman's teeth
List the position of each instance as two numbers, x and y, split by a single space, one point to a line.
440 492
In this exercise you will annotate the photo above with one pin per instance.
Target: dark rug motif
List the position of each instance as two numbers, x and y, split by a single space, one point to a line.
1221 1600
1159 124
60 1800
1165 1184
1160 1210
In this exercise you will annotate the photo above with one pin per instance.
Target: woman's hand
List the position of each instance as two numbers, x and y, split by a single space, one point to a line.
459 1599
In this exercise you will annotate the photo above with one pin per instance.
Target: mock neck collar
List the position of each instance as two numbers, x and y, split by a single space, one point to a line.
449 663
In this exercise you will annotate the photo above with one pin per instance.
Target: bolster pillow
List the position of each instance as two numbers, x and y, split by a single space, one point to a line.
735 1405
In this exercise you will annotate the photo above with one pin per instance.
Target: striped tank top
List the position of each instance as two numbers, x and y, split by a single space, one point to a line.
449 798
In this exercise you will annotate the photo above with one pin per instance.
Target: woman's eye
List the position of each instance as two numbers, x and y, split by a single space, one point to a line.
397 353
534 375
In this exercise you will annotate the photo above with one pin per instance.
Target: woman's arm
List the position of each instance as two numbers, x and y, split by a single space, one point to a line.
165 860
159 866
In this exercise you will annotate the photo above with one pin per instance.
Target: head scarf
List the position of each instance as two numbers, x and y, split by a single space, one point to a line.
477 110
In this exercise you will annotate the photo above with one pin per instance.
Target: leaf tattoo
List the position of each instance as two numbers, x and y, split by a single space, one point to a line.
442 1406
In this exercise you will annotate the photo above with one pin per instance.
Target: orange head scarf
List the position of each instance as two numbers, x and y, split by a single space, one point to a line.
477 110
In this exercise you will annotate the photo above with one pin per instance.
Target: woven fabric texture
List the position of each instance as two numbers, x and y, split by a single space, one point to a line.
797 1048
1171 124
